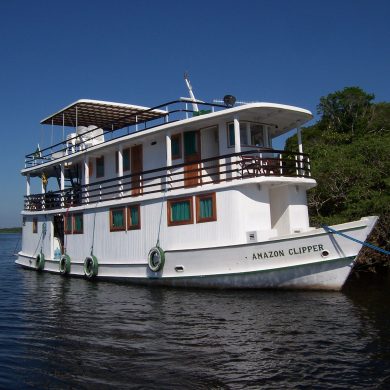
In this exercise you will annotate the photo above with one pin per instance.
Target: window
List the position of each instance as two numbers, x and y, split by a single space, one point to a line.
126 160
117 219
78 223
74 224
243 134
100 166
251 134
180 211
68 224
176 146
90 168
257 137
35 225
206 210
133 217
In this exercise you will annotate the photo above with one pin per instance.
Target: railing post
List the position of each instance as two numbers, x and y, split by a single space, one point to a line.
120 170
168 144
86 178
237 144
281 163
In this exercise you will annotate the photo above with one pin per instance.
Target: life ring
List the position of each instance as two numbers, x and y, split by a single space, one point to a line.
91 266
156 259
40 261
64 264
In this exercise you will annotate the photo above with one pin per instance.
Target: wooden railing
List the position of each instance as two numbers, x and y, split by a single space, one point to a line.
235 166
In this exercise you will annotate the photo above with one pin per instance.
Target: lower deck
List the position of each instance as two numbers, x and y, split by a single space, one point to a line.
217 215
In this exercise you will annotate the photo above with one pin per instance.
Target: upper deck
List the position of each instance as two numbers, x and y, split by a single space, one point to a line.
164 148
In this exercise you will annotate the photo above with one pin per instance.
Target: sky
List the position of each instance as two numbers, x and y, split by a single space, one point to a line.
53 53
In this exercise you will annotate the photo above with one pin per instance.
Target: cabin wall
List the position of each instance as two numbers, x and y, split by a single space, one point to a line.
299 216
33 242
289 211
255 211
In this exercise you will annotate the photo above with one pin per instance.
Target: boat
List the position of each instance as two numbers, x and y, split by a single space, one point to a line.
186 193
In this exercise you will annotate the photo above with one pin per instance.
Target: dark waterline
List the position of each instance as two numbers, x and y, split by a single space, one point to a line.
66 333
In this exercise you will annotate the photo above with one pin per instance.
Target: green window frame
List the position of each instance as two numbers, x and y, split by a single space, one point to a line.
133 217
180 211
117 219
176 146
126 160
78 223
206 208
100 166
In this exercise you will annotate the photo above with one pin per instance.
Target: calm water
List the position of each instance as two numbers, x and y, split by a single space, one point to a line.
70 333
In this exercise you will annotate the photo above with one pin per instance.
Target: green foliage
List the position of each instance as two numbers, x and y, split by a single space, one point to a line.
349 153
345 113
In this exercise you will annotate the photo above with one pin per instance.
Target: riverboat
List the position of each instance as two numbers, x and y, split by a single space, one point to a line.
187 193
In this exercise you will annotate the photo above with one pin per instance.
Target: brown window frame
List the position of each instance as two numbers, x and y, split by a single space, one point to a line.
114 228
75 231
97 159
35 225
180 154
170 202
213 197
90 168
66 218
130 225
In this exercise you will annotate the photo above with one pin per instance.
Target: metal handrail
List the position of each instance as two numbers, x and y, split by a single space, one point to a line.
32 157
137 182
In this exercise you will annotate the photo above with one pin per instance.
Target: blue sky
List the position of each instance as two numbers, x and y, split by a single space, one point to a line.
292 52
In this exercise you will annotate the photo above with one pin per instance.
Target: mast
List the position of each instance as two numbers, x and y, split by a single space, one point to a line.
192 96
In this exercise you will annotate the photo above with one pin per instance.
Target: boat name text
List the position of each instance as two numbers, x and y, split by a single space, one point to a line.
292 251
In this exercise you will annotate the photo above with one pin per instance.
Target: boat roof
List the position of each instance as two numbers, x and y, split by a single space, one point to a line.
106 115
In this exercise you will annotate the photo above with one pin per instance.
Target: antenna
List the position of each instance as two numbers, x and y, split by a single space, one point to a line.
187 80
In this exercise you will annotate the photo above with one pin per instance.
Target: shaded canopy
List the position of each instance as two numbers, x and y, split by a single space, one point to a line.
106 115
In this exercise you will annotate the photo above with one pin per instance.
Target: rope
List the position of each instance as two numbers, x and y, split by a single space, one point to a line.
368 245
159 224
65 222
20 236
40 238
93 231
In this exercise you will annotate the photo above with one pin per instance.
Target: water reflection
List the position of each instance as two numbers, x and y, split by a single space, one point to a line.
73 333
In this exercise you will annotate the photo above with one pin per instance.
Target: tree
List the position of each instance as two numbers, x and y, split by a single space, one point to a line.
349 153
345 113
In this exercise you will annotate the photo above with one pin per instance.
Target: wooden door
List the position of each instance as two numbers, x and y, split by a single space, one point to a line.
192 155
136 169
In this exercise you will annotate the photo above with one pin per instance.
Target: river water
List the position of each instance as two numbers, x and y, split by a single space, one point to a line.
58 332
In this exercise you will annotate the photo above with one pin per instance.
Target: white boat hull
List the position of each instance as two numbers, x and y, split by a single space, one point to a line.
310 260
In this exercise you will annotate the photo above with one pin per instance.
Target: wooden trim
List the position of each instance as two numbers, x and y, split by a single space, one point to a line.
199 219
35 225
75 231
170 202
117 228
179 141
90 168
131 226
66 230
